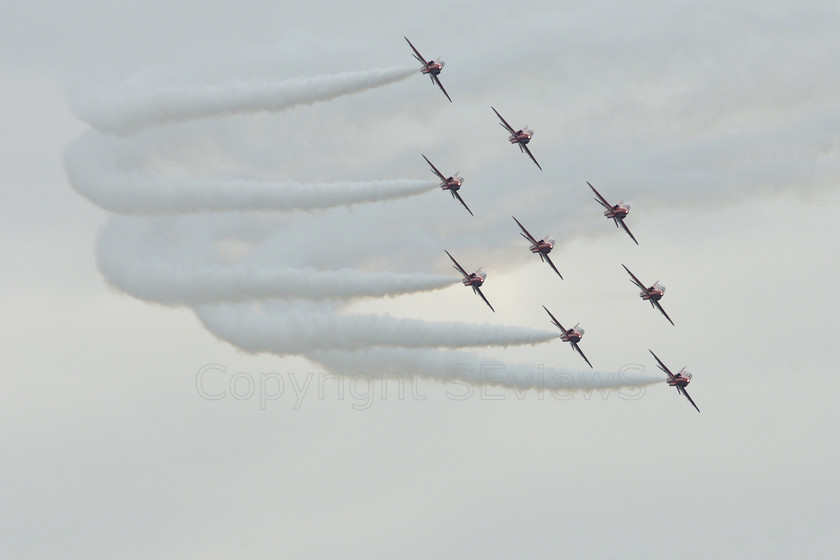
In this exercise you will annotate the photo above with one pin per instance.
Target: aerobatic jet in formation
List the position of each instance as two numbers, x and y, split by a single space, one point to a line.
430 67
542 247
473 280
652 294
572 336
615 212
680 380
521 136
451 184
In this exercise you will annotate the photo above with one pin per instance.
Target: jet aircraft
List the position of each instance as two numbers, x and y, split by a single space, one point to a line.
652 294
542 247
615 212
572 336
474 280
521 136
430 67
680 380
451 184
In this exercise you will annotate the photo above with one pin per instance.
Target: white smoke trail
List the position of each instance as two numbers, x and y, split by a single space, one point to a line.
94 171
130 107
295 327
148 195
136 193
465 367
259 303
164 263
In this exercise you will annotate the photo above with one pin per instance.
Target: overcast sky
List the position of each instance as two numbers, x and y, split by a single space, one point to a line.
129 428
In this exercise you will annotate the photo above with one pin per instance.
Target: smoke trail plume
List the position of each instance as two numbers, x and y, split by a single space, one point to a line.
294 327
130 107
109 179
168 250
166 264
470 368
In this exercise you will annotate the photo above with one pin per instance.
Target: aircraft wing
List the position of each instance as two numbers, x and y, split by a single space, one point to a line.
684 392
600 200
635 280
628 231
659 307
434 169
526 235
662 366
527 151
504 122
461 200
458 267
436 80
417 54
551 264
553 320
579 351
479 292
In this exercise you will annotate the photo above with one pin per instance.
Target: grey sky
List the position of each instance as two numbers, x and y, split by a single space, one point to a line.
718 123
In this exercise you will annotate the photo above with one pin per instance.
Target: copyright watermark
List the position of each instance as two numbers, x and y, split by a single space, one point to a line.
489 382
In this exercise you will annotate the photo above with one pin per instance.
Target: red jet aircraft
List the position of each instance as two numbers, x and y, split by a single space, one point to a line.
571 336
680 380
451 184
521 136
542 247
431 67
616 212
474 280
652 294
